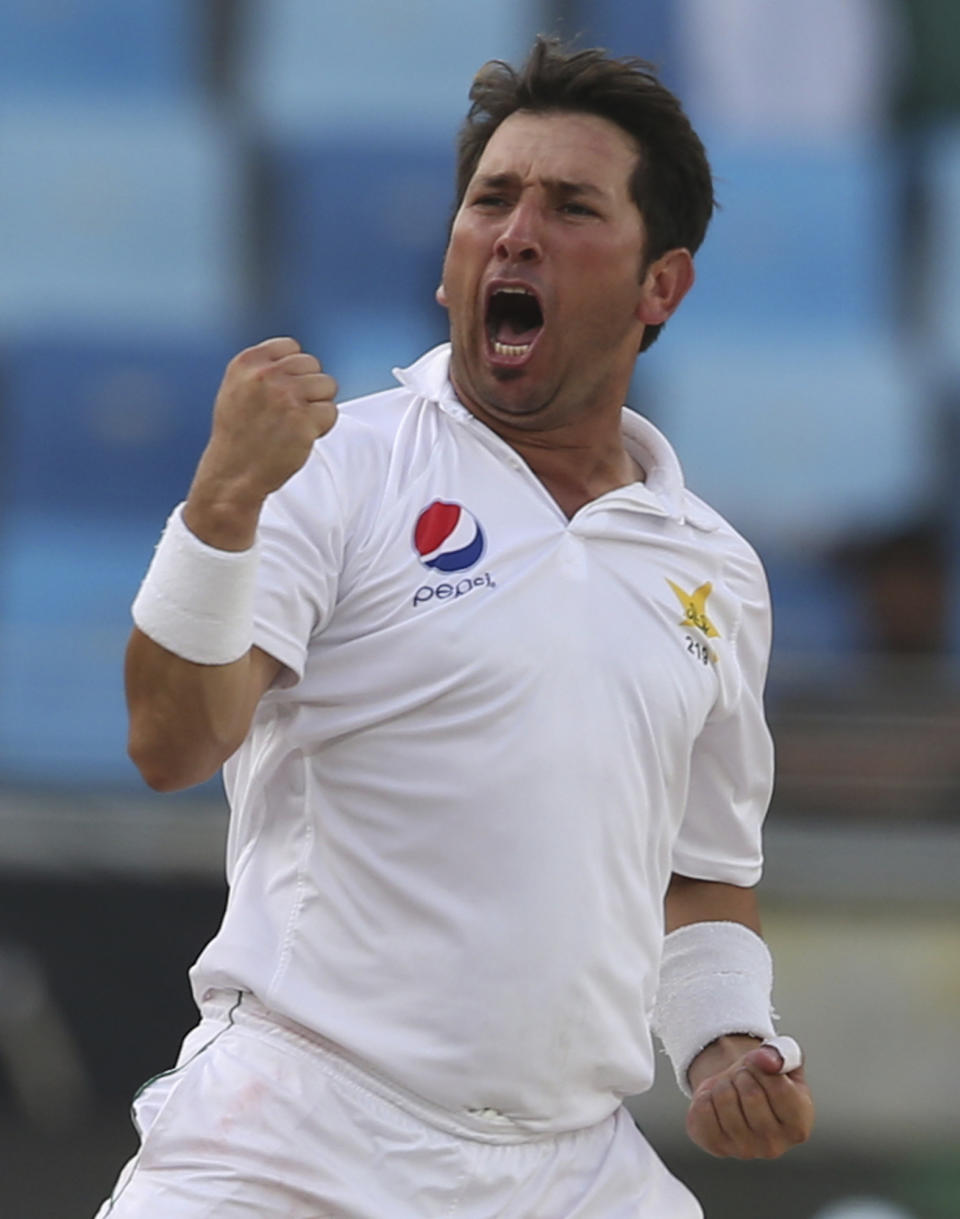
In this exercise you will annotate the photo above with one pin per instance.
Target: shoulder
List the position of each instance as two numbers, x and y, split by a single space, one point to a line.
742 568
350 469
379 415
357 449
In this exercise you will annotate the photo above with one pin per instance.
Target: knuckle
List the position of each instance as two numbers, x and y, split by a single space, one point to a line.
723 1089
242 359
263 373
282 343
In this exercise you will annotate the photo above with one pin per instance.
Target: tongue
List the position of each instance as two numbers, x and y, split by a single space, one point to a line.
515 332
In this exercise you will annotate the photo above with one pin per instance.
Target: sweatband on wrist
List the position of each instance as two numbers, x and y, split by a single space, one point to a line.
197 601
716 980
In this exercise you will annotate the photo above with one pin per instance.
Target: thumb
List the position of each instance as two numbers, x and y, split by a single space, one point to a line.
766 1059
778 1056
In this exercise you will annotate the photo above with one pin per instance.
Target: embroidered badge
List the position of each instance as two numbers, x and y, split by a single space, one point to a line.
695 608
695 616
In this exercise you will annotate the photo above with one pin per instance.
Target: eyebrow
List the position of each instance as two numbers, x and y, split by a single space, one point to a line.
559 186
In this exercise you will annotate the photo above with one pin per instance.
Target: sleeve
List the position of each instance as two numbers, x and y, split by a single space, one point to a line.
731 770
302 540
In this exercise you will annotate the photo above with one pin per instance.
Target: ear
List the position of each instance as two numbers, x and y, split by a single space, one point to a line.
441 295
666 283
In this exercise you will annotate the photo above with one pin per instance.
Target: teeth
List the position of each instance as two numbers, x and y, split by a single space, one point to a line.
516 291
509 349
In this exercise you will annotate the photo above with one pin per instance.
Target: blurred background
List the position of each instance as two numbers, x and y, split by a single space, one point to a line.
181 178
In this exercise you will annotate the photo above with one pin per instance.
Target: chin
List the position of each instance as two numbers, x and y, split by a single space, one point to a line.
517 410
507 374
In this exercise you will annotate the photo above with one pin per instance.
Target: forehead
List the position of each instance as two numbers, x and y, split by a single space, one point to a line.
562 147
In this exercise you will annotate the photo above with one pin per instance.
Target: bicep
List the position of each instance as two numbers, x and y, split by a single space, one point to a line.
689 900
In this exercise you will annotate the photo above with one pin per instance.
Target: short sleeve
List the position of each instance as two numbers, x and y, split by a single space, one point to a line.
731 773
301 538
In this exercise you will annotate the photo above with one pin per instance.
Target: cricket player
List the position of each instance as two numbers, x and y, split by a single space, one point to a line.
485 681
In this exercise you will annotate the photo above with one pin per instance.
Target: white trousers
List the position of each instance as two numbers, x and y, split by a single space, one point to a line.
257 1121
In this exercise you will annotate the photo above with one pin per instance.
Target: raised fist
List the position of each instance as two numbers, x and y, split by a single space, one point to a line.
275 400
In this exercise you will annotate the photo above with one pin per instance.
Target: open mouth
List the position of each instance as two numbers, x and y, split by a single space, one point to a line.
514 320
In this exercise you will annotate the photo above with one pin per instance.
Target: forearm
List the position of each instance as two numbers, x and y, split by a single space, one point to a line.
715 977
192 677
185 719
703 901
714 1016
692 901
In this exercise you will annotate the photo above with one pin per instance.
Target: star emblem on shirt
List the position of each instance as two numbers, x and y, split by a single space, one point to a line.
695 608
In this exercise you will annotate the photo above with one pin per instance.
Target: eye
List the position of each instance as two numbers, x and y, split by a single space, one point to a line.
577 209
489 201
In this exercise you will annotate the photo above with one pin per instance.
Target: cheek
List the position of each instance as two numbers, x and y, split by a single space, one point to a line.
454 273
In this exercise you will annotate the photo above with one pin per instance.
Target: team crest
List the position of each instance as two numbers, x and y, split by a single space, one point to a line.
695 608
695 616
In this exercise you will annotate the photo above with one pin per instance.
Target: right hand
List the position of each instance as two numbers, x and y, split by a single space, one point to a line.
743 1107
274 401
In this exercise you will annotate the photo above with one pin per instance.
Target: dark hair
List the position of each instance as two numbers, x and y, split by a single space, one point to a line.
672 185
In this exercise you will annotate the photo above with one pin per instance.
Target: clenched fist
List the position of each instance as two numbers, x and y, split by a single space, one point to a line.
274 401
743 1106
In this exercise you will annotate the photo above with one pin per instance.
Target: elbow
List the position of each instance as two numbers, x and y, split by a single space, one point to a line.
167 769
160 780
158 776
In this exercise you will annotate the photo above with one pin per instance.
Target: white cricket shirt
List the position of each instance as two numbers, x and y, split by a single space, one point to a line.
497 734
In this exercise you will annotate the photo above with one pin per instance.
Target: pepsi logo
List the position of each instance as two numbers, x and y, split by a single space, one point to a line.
447 537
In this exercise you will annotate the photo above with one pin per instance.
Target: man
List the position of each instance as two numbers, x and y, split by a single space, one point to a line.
485 681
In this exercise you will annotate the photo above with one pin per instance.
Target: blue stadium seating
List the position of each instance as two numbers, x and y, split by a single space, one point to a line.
125 217
66 584
805 237
109 428
797 438
79 49
358 226
360 347
369 67
99 442
644 28
122 213
814 609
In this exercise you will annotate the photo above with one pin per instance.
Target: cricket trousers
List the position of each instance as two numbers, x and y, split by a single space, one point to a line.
261 1120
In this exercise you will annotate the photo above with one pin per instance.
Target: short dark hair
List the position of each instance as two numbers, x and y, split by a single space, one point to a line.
672 185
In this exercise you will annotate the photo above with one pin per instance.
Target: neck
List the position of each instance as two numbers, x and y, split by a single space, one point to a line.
575 476
576 462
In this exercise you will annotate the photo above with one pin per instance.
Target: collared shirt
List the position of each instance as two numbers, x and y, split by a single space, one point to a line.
497 734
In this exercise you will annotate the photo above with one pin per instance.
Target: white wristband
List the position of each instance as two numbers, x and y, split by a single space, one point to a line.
195 600
715 979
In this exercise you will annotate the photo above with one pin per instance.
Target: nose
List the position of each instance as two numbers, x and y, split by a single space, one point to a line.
519 239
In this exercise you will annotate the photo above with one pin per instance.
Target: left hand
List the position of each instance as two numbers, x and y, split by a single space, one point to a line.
746 1109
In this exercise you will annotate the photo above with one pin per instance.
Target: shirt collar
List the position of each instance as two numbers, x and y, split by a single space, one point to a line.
429 377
